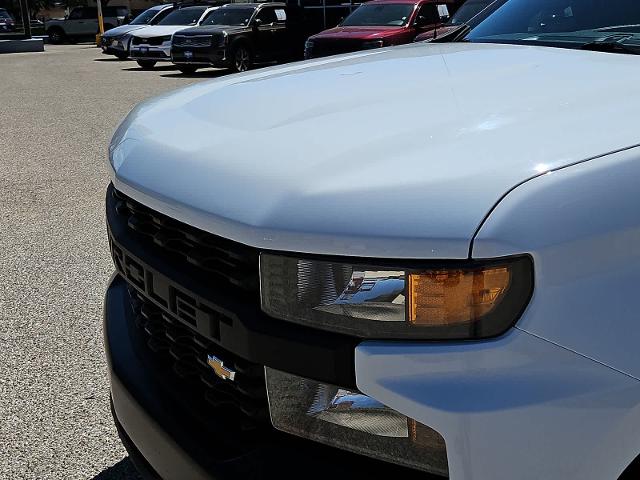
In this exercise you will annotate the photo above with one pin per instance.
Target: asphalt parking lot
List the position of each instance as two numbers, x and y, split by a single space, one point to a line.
57 112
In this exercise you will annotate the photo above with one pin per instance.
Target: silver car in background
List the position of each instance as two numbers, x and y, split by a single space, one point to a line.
152 44
116 41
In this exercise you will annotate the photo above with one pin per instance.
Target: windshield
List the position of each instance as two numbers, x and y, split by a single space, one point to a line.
559 21
468 10
230 16
145 17
183 16
381 15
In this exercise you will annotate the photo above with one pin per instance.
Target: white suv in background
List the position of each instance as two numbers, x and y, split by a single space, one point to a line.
152 44
82 22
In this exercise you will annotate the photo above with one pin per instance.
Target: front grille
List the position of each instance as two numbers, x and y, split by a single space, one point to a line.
191 41
185 352
211 285
154 54
155 41
229 261
324 48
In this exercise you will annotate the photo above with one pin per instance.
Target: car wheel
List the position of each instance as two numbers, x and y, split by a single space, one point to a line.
241 58
187 69
56 35
121 55
147 64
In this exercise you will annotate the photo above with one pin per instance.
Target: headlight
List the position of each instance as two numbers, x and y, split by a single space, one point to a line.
373 44
352 421
166 38
447 300
219 40
308 44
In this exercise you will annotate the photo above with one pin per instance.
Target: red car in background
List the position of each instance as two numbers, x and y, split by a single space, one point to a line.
381 23
466 12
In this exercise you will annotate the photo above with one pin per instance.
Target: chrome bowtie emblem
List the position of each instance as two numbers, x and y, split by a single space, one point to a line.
219 368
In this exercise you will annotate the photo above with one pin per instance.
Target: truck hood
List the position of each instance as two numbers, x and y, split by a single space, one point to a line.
213 29
398 152
122 30
159 30
362 33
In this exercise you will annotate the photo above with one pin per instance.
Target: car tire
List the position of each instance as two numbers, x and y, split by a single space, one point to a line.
121 55
187 69
241 58
146 64
56 35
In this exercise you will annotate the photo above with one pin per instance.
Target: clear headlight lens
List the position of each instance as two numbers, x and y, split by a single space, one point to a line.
448 301
352 421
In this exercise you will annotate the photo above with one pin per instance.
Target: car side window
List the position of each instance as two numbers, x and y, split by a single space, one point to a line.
267 16
76 14
204 19
89 13
160 16
430 13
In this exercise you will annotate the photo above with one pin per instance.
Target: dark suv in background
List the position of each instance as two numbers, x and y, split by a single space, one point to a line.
237 36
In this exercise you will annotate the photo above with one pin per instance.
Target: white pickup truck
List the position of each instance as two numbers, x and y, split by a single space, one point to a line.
82 22
427 256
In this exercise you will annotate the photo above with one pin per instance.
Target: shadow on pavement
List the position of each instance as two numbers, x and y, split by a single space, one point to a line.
110 59
123 470
198 74
156 69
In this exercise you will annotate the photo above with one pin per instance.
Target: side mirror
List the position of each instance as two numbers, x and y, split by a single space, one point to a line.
257 23
421 21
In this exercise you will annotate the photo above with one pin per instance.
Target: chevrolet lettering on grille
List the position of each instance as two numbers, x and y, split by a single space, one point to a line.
205 318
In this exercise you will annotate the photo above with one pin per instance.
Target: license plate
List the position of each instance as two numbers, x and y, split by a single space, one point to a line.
188 54
144 49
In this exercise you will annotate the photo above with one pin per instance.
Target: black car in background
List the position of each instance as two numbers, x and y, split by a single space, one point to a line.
7 22
237 36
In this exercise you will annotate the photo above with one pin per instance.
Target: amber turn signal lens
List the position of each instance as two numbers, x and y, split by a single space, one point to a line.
456 296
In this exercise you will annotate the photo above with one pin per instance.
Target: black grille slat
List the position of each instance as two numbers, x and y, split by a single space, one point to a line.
192 41
186 352
326 47
234 262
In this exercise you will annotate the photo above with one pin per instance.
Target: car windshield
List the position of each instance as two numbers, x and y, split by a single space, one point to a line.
380 15
468 10
145 17
230 16
183 16
561 23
